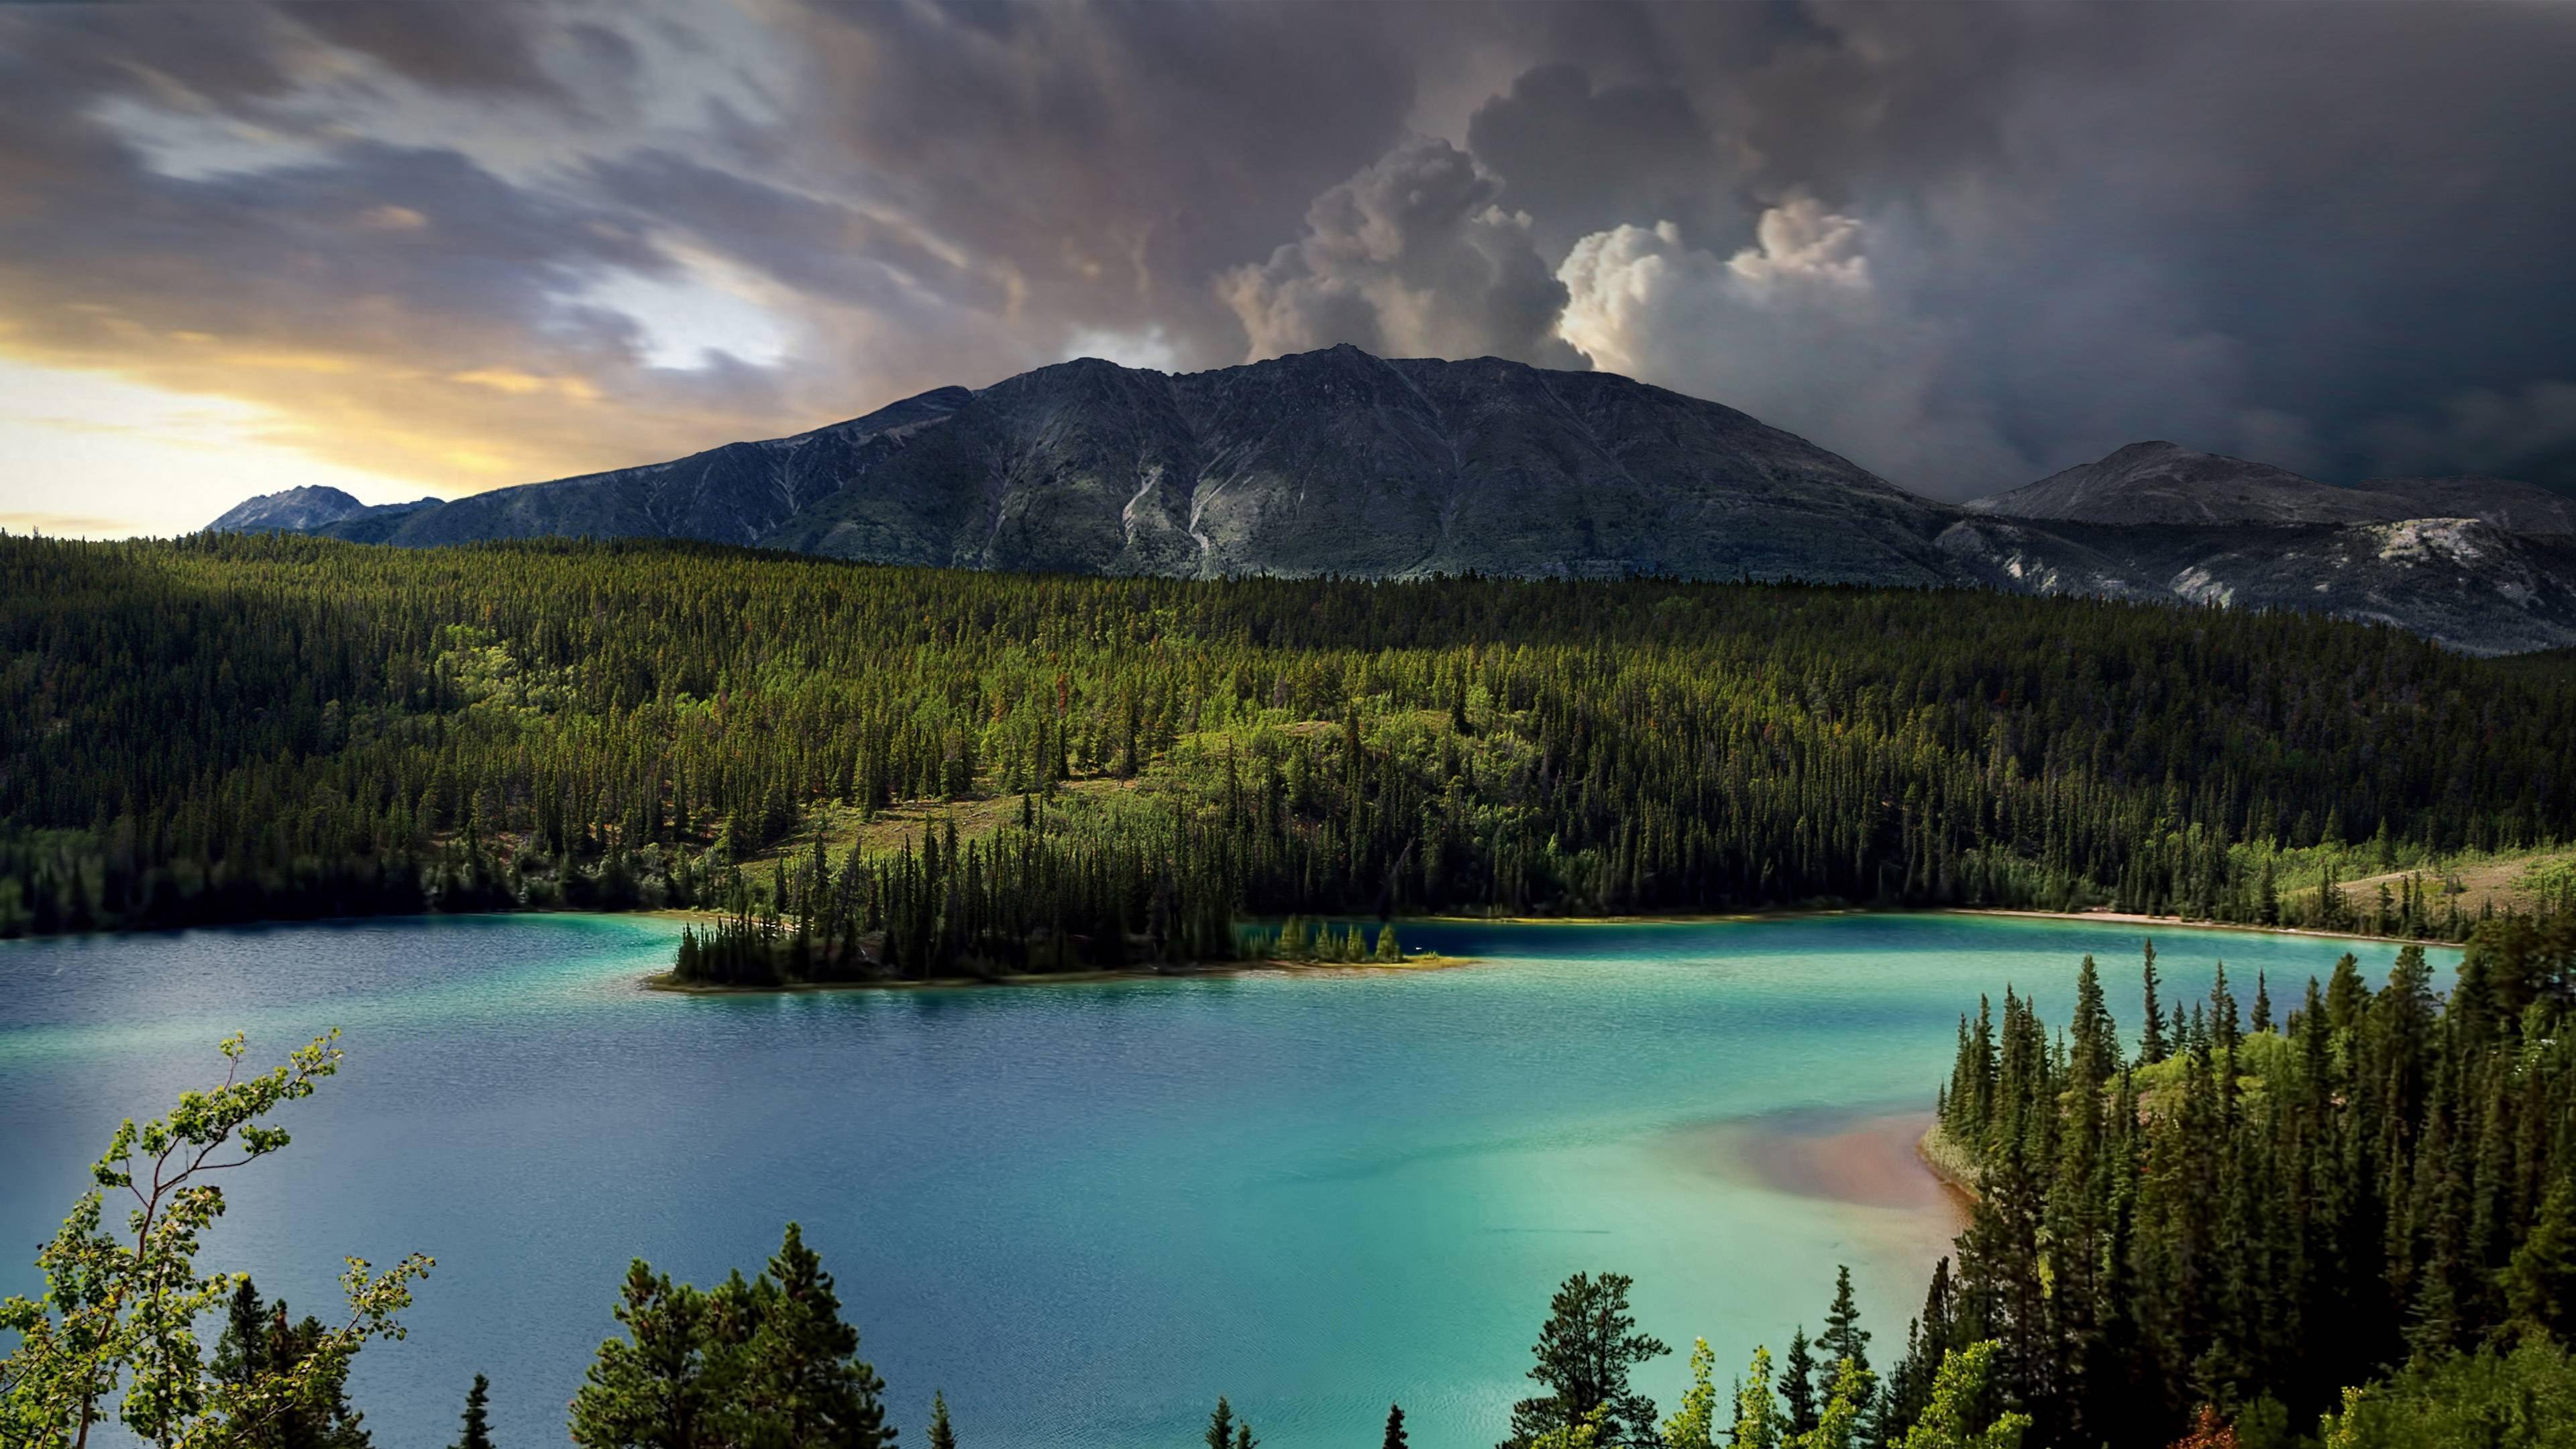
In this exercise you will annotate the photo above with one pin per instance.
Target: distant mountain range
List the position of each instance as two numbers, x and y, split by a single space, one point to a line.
1339 462
2146 483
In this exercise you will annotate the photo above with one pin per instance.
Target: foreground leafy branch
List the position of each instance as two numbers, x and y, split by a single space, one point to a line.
120 1312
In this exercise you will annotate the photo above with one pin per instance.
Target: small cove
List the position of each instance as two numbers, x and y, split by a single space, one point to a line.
1082 1212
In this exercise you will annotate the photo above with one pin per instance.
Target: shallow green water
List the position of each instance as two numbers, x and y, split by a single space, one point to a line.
1083 1211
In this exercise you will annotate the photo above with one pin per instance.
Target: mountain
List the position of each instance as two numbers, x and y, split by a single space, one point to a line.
739 493
308 509
1324 462
1339 462
2165 483
2169 484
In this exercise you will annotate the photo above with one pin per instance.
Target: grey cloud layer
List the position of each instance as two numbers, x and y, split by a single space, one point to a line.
1965 245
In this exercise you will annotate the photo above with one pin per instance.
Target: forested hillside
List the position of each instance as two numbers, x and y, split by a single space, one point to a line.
227 728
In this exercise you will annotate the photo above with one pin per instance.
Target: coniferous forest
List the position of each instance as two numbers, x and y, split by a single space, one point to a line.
228 728
2232 1211
2208 1229
1257 724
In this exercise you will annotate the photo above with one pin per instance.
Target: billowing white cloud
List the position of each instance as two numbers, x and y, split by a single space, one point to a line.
1409 258
1149 347
1796 331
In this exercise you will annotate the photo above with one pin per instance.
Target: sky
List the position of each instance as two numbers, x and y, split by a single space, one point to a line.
429 247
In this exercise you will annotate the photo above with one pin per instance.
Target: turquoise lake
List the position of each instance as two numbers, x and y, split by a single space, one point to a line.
1083 1211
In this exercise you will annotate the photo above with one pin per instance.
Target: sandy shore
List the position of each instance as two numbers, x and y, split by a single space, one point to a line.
1868 1160
1675 918
2126 918
2132 918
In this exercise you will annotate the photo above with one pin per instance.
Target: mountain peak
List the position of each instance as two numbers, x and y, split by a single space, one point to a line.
290 510
2160 482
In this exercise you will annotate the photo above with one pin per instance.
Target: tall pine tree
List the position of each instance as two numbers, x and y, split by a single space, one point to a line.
478 1421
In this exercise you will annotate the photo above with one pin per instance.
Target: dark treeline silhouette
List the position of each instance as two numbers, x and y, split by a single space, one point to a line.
230 728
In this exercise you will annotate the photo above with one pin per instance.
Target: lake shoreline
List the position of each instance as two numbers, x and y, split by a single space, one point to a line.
1810 913
2138 919
1676 918
662 980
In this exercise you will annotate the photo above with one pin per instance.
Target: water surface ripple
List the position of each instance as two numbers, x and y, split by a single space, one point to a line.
1082 1211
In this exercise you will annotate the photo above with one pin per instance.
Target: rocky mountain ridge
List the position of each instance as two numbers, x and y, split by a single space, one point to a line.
312 508
2165 483
1339 462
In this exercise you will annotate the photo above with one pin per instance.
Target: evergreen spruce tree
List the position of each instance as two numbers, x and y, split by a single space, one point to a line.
1798 1384
767 1364
2152 1046
2539 1283
1927 1338
478 1423
1844 1341
1394 1429
260 1340
1584 1354
1220 1429
671 1383
807 1386
241 1354
941 1436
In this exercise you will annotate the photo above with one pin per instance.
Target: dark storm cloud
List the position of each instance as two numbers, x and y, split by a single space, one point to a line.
2302 231
1580 157
462 47
1965 244
1111 159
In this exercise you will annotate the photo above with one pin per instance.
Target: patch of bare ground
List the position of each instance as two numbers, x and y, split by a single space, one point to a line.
2503 880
